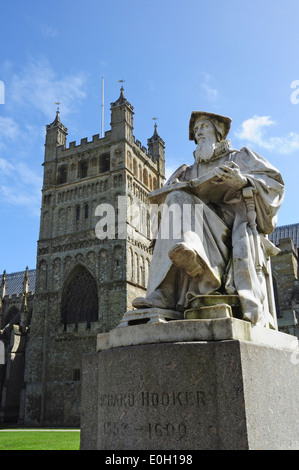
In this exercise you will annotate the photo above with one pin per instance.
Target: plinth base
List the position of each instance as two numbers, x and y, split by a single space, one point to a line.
191 394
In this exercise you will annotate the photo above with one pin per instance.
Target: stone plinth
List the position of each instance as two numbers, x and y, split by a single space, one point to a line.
205 390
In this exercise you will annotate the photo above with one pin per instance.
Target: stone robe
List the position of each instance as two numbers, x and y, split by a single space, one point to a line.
224 241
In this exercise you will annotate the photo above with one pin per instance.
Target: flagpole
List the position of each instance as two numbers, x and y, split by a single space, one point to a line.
102 129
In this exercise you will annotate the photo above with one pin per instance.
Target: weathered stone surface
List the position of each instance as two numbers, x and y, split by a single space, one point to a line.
197 395
89 401
285 278
195 330
213 312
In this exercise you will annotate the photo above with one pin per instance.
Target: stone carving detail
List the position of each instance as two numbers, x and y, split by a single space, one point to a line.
43 274
56 273
103 266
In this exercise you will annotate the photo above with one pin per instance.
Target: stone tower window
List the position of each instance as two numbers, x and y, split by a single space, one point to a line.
76 375
145 176
135 168
62 175
79 303
104 163
86 211
83 168
78 213
150 182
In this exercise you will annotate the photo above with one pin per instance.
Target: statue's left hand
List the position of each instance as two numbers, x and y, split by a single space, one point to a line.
230 173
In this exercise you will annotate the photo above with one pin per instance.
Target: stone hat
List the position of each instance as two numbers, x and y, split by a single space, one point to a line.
221 123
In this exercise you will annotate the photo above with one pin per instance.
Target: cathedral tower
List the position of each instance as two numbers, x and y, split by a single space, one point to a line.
85 283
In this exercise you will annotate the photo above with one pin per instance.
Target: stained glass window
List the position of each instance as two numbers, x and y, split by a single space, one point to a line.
79 299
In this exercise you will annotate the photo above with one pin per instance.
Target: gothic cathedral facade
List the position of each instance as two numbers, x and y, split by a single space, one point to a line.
85 283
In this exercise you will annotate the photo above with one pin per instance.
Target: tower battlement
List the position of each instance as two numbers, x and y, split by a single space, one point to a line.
98 142
118 150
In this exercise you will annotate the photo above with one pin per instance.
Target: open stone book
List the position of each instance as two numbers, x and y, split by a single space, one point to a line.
207 187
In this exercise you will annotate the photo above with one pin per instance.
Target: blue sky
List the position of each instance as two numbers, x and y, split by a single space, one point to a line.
236 58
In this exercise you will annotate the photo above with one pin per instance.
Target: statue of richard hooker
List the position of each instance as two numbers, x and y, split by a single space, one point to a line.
239 193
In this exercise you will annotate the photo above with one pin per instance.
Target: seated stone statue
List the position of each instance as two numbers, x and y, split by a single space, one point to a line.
224 249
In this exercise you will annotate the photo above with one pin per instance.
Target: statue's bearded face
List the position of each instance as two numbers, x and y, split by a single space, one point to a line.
206 139
203 130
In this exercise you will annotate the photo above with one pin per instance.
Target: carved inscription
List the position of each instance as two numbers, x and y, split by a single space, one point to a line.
120 399
145 399
181 398
151 430
173 398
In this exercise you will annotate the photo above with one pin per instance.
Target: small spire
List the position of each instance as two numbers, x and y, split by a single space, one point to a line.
122 99
26 281
57 121
3 285
122 94
155 136
57 118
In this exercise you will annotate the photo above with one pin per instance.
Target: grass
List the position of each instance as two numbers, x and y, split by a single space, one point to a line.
43 439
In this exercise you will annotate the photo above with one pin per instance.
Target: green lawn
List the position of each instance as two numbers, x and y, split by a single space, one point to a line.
21 439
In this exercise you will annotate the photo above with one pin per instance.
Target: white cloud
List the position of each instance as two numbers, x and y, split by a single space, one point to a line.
38 86
34 89
210 93
253 128
169 170
48 31
20 186
17 197
253 131
8 129
5 166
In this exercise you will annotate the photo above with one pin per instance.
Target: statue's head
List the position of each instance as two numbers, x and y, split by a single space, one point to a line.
205 131
203 124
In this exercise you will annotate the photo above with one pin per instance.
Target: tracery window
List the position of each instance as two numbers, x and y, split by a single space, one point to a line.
79 302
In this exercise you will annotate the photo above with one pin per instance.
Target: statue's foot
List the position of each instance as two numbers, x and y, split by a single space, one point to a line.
185 258
158 299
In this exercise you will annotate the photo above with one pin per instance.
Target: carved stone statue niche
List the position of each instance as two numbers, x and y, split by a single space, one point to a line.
217 264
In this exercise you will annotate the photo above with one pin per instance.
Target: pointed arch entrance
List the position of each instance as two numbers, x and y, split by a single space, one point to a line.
79 301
